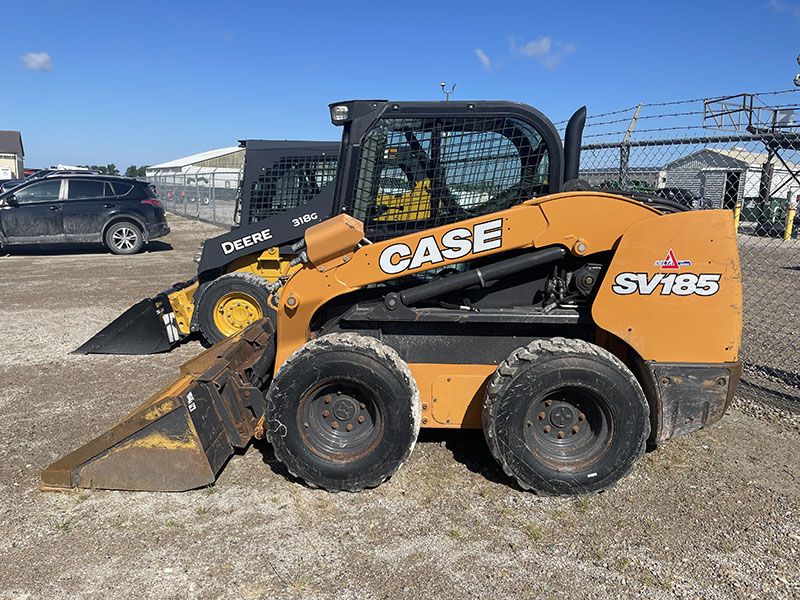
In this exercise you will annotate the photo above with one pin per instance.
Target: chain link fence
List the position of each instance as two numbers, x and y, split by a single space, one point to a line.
210 197
740 153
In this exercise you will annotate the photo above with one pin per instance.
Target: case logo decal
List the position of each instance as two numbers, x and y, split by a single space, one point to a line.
684 284
455 243
671 263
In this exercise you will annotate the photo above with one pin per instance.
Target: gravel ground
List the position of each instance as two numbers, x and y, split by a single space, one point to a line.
712 515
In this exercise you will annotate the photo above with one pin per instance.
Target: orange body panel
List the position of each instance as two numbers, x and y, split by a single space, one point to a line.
451 395
671 327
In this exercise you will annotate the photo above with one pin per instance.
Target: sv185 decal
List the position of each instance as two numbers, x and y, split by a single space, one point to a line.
684 284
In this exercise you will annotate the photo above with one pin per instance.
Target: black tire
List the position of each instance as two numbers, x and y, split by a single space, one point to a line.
124 237
252 292
590 434
343 412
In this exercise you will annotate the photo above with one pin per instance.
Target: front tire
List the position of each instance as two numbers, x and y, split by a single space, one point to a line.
564 416
230 303
343 412
124 237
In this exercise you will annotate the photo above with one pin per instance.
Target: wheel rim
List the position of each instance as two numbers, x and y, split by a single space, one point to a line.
569 428
124 238
340 421
235 311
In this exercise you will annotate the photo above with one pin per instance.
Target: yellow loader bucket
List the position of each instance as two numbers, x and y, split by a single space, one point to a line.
181 437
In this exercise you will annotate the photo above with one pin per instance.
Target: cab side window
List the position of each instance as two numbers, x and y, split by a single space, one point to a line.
454 169
44 191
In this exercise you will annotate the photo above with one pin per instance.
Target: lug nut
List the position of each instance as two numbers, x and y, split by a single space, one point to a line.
542 415
576 429
528 423
325 413
349 427
547 428
305 425
361 419
335 425
338 392
548 402
581 417
561 435
362 405
327 399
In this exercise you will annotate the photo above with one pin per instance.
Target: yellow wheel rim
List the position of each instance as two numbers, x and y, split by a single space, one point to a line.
235 311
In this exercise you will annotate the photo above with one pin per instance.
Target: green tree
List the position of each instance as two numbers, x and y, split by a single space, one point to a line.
142 171
131 171
111 169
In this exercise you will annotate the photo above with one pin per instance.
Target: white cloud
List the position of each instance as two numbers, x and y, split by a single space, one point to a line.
485 60
537 48
548 52
784 7
37 61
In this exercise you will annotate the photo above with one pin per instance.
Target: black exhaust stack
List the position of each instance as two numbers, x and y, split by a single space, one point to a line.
572 144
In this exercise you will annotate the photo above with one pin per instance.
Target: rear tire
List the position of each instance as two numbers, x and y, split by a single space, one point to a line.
343 412
124 237
230 303
564 416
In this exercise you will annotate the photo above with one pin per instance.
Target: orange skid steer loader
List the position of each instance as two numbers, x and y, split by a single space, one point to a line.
574 328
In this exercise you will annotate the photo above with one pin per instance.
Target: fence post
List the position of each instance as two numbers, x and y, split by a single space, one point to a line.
213 198
624 158
625 151
737 212
787 233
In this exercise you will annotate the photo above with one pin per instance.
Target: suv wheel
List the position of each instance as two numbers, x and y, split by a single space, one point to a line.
124 238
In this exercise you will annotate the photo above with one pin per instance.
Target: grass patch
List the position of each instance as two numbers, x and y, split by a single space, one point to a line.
66 525
623 562
171 523
454 533
597 553
209 489
730 547
533 532
583 504
201 510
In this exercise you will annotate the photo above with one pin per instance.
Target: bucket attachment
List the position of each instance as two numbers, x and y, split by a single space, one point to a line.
147 327
180 438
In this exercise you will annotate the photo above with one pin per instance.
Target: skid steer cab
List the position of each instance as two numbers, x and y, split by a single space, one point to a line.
419 153
574 328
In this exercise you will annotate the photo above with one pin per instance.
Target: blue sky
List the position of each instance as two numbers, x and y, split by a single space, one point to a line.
145 82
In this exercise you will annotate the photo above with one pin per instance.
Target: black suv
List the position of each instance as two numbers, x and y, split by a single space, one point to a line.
123 213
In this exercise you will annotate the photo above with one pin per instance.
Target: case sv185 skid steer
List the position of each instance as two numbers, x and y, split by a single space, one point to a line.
572 327
238 270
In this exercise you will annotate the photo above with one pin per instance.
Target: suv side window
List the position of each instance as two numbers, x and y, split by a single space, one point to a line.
44 191
79 189
122 188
